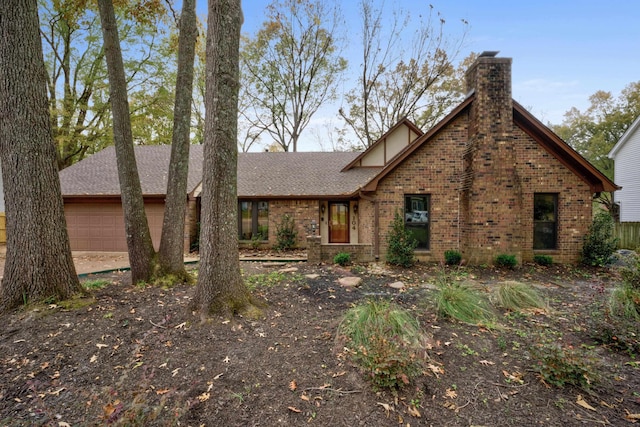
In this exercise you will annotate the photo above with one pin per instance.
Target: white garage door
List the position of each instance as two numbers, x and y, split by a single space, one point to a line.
100 226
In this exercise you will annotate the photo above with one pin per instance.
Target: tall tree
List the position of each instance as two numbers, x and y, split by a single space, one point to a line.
141 252
395 82
77 75
595 131
171 252
38 261
220 287
291 68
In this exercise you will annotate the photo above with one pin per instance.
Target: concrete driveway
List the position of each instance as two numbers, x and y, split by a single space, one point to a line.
93 262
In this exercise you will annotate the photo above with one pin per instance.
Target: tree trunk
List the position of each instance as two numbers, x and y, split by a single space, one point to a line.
171 255
141 252
220 287
38 263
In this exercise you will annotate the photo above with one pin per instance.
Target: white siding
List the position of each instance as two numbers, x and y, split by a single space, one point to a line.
627 175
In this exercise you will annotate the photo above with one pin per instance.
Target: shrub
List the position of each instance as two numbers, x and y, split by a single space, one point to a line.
286 234
401 244
559 366
544 260
462 302
452 257
517 296
342 258
599 243
506 261
385 341
625 302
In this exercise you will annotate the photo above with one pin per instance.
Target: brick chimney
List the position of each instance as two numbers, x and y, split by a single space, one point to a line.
491 192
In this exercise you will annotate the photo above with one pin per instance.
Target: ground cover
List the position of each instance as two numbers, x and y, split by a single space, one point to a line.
134 355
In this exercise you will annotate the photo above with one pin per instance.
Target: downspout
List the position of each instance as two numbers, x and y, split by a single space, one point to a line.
376 224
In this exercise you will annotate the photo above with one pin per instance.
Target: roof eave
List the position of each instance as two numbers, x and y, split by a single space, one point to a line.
372 185
624 138
597 181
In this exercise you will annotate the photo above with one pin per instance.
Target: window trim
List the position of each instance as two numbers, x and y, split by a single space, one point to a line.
254 219
556 198
427 226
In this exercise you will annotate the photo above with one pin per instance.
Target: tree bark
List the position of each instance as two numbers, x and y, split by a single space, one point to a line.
171 254
38 263
140 247
220 287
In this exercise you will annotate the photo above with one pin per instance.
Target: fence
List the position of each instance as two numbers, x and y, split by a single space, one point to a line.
3 228
628 234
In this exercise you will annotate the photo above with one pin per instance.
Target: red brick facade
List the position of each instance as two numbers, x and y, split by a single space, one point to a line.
480 168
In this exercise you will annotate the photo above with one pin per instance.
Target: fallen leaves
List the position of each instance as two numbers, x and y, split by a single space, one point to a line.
293 385
580 401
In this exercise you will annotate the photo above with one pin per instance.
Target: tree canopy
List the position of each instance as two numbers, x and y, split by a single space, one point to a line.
289 70
594 131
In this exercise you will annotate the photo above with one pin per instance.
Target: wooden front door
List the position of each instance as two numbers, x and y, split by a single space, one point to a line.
339 222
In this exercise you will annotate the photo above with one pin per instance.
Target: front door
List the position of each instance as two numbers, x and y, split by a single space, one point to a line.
339 222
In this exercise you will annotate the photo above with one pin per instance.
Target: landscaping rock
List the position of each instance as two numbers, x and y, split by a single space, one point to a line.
350 282
397 285
312 276
288 270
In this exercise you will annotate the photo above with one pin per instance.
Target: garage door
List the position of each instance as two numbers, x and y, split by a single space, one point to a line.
100 226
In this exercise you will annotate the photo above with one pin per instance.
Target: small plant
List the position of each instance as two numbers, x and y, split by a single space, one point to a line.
560 366
386 341
452 257
624 302
599 243
256 241
401 243
506 261
286 234
517 296
462 302
342 259
264 280
544 260
95 284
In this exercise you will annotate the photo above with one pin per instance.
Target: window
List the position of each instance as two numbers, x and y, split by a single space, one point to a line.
253 221
416 218
545 221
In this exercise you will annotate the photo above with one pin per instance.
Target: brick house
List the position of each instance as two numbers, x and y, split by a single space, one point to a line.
486 180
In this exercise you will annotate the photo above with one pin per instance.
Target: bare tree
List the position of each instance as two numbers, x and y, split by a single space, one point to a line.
220 287
291 68
171 254
38 261
141 252
396 82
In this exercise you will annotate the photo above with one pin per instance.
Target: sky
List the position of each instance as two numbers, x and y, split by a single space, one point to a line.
562 51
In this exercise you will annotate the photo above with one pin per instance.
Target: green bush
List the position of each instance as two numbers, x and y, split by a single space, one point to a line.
452 257
342 258
544 260
560 366
401 244
385 341
518 296
286 234
599 243
506 261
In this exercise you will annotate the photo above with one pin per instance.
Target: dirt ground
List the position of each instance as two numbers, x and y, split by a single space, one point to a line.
133 355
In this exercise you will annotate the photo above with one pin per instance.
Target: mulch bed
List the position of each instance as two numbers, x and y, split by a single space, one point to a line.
136 356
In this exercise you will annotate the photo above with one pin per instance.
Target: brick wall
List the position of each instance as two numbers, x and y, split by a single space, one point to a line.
482 172
302 212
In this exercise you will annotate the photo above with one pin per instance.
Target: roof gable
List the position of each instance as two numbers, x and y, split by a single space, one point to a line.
635 127
569 157
551 142
388 145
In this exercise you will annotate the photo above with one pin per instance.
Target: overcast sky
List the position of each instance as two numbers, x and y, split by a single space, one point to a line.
562 51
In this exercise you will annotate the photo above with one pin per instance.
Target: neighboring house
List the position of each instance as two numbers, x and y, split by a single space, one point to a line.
488 179
625 155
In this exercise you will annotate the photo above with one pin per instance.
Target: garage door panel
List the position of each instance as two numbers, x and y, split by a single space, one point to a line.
100 226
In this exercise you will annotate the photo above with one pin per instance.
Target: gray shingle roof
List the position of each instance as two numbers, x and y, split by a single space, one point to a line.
259 174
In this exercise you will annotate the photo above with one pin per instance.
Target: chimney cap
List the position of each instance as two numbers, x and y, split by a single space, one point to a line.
489 54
